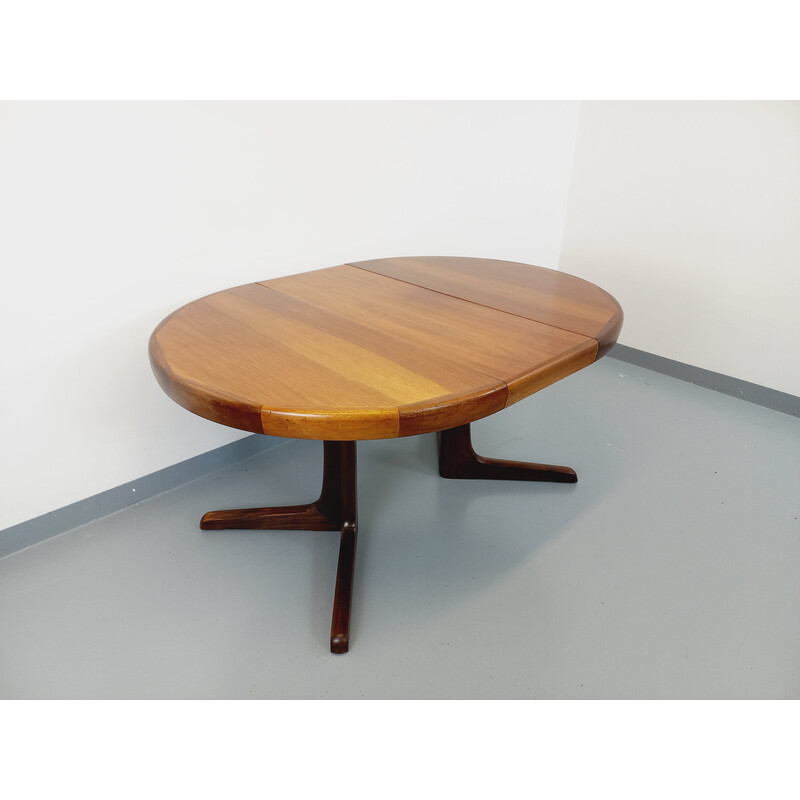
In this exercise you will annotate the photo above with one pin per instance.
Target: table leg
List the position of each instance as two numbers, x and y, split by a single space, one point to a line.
335 509
343 594
457 459
343 455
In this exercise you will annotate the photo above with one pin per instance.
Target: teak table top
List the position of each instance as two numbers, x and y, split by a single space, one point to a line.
380 349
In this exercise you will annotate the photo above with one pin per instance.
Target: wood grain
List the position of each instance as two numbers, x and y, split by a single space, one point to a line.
443 333
349 353
546 295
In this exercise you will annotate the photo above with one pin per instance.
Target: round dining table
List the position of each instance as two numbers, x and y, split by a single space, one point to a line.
378 350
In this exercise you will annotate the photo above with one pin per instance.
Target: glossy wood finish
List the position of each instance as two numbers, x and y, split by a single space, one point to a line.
348 513
324 514
457 459
335 509
546 295
374 350
351 353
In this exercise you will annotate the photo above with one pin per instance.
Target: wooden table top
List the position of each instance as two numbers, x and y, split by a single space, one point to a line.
380 349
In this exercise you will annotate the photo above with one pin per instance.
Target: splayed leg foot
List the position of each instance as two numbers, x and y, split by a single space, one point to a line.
335 509
457 459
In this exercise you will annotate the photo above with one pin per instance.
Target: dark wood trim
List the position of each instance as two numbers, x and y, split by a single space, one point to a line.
335 509
340 463
457 459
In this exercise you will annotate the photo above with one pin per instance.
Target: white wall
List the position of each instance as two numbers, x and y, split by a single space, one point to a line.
689 213
114 214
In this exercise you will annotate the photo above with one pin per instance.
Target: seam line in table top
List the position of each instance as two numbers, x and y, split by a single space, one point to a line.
264 284
474 302
501 381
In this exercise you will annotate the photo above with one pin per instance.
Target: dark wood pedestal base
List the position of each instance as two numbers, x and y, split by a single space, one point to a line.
457 459
335 509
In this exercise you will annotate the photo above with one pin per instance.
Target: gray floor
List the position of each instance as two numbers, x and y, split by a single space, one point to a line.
671 570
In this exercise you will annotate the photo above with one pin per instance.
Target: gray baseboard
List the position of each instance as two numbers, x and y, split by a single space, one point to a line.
744 390
36 530
48 525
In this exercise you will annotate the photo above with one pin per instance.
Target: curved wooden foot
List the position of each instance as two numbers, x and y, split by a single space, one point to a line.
457 459
280 518
336 509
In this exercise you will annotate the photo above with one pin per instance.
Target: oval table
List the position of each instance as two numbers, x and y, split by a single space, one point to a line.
376 350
